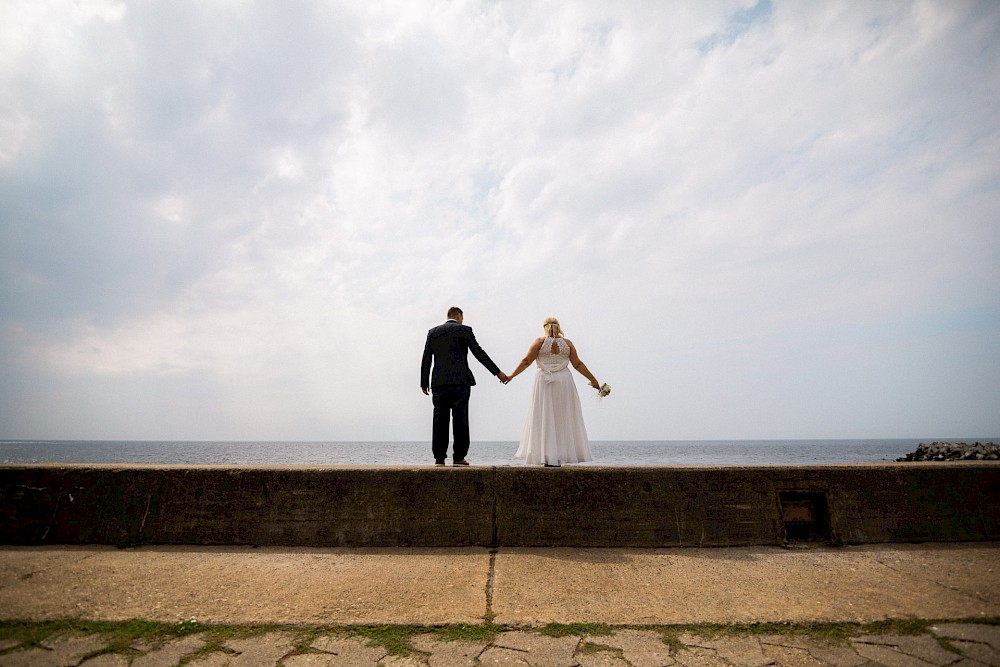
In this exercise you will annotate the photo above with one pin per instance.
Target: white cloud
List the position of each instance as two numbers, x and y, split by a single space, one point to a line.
253 212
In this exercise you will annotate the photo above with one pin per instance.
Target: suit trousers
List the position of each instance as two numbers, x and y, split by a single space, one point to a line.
451 404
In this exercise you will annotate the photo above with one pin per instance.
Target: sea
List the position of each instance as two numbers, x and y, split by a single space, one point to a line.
486 453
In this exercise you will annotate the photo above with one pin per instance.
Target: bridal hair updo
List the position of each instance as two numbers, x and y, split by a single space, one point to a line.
552 328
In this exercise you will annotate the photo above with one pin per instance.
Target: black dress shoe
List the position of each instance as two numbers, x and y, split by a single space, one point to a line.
439 463
463 462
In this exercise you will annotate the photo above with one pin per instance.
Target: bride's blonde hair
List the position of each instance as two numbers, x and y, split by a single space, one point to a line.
552 328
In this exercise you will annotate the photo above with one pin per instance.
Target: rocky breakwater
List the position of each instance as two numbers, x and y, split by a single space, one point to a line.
954 451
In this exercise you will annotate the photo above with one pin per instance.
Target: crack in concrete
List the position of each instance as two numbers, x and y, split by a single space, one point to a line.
34 573
954 589
145 515
52 519
488 617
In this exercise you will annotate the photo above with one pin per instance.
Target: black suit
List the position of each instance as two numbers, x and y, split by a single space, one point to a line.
451 382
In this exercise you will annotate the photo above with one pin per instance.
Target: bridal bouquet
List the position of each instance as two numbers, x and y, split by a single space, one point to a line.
604 390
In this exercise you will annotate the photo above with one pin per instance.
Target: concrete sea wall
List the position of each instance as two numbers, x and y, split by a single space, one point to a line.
504 506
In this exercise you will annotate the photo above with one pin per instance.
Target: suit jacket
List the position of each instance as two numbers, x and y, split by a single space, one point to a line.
448 345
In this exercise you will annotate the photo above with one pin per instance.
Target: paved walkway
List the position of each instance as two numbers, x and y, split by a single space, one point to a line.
643 594
957 644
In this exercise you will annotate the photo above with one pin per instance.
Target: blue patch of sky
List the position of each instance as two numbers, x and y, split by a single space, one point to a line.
896 330
485 181
975 320
738 23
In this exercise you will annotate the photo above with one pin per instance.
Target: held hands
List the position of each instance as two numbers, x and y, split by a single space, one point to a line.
504 378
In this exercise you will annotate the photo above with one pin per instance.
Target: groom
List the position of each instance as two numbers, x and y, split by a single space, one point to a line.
451 384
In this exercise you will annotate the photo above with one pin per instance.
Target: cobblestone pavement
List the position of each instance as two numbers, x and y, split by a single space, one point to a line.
958 644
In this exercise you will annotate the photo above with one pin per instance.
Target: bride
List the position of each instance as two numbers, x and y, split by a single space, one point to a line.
554 432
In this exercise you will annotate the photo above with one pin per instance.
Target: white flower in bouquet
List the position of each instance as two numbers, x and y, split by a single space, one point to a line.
604 390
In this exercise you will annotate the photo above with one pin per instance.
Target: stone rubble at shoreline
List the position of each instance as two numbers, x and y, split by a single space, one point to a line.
954 451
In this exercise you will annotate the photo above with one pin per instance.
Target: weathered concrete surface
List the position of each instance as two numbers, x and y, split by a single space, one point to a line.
294 587
746 584
292 647
503 506
239 585
293 506
734 506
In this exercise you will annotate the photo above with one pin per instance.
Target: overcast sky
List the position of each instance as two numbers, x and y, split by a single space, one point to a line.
237 219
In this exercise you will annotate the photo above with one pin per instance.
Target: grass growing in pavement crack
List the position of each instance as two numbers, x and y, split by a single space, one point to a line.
565 630
825 632
397 639
468 633
393 638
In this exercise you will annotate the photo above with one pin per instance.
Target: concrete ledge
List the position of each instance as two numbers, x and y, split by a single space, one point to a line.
744 506
293 506
505 506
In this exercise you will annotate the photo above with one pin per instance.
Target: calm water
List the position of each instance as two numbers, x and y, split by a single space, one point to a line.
608 453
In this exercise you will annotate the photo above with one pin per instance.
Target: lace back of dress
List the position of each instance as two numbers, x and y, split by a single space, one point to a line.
556 347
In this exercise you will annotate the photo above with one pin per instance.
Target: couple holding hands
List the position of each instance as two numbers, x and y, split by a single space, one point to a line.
554 432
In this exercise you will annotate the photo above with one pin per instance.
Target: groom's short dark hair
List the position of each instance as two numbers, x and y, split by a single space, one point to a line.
454 311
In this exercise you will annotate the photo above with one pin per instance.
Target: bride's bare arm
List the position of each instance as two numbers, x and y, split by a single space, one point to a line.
528 358
581 367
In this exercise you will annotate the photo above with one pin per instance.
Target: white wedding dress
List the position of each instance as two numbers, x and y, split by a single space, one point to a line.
554 432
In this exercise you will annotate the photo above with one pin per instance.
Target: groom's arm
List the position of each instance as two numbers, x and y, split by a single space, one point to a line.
480 354
425 365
